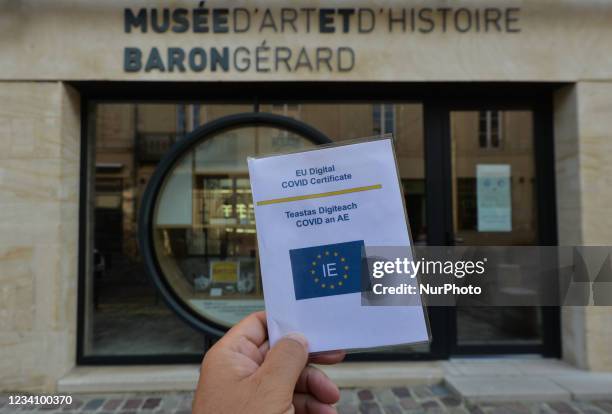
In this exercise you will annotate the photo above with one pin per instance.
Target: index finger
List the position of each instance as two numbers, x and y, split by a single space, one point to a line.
327 358
253 327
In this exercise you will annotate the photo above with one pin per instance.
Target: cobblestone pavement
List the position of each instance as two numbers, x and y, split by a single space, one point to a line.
435 399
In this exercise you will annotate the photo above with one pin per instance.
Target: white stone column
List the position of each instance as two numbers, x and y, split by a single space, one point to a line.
583 151
39 179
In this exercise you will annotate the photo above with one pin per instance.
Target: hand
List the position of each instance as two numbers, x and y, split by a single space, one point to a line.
240 374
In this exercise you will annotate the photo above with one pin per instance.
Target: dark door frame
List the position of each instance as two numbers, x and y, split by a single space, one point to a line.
439 204
437 99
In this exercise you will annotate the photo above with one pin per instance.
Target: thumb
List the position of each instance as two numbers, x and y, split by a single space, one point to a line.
284 362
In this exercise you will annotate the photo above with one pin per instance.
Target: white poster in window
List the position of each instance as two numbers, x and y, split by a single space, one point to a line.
494 199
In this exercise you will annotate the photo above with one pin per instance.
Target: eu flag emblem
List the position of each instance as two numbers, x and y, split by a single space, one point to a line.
331 269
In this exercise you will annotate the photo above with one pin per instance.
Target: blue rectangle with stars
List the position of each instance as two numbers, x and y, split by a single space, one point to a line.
332 269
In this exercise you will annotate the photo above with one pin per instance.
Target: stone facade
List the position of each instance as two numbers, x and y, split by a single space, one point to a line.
39 177
584 177
551 41
595 138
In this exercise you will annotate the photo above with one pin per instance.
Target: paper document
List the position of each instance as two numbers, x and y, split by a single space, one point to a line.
315 213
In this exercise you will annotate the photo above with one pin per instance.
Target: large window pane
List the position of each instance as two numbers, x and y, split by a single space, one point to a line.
124 314
204 229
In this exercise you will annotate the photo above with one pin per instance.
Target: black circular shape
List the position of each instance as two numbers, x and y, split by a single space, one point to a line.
145 214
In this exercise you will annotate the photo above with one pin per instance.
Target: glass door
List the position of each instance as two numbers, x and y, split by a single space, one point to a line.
493 167
494 203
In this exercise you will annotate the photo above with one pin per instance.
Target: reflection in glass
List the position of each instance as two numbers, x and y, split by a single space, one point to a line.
204 226
501 140
205 223
124 315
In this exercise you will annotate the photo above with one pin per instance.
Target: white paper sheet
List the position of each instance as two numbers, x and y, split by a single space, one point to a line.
494 198
305 252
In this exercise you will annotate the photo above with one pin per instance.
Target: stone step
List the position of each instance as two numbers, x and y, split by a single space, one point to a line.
528 379
506 388
490 379
111 379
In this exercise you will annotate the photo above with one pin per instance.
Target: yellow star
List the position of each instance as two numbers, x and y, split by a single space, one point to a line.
314 263
342 259
322 285
313 272
340 283
326 253
331 286
335 253
345 267
346 276
316 280
318 256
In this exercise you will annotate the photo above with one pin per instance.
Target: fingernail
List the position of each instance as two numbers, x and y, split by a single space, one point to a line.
298 337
